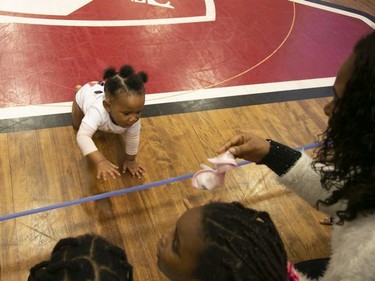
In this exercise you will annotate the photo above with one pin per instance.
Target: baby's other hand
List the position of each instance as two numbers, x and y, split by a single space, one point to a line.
133 167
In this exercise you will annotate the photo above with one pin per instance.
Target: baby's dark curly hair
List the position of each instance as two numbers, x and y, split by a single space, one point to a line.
87 257
241 244
349 140
126 81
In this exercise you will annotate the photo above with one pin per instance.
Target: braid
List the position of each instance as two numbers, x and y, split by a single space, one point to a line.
242 244
87 257
124 81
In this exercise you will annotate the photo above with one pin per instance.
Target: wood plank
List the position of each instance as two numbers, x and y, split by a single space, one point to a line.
171 146
367 6
44 167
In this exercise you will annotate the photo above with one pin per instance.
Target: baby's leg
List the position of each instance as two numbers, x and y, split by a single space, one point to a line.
77 113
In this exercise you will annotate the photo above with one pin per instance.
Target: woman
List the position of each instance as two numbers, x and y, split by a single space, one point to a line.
341 180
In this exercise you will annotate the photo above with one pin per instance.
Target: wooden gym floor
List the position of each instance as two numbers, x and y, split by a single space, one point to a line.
41 166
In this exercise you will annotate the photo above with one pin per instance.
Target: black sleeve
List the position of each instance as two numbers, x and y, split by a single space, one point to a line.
280 158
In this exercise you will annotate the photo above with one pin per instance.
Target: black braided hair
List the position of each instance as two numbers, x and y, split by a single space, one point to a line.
125 81
241 244
349 140
87 257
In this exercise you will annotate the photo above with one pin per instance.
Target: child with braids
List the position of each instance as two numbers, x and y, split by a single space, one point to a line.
341 179
84 258
112 105
224 242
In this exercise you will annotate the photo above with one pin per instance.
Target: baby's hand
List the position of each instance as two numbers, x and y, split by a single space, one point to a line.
105 168
133 167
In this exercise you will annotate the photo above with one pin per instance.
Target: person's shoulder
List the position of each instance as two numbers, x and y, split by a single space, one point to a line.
97 113
356 236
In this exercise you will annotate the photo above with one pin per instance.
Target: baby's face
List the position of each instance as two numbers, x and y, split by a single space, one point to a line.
179 249
126 109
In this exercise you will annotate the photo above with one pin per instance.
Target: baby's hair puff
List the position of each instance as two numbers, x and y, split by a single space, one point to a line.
87 257
126 71
125 81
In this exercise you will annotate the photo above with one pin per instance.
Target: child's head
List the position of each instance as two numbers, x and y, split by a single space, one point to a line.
87 257
223 241
124 94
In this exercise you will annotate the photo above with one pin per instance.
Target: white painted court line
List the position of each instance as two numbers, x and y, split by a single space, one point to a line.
42 7
209 16
65 107
239 90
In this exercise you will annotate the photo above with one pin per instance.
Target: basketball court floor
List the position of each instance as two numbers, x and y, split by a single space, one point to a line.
192 50
199 55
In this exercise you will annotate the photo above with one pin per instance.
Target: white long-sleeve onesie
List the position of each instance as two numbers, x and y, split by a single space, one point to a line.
90 99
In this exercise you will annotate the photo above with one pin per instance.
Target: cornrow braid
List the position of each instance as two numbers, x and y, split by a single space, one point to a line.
87 257
241 244
125 81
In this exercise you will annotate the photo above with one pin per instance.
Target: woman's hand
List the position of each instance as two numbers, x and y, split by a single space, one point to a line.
133 167
247 146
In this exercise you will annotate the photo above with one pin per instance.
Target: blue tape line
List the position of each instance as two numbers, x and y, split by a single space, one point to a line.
117 192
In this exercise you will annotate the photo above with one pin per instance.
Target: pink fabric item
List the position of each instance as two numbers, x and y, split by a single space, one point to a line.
292 273
211 178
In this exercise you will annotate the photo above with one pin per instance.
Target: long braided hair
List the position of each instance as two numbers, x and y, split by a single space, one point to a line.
241 244
349 140
84 258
